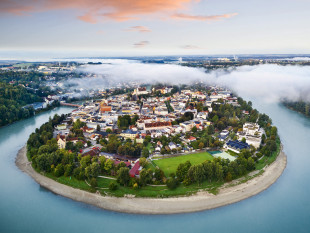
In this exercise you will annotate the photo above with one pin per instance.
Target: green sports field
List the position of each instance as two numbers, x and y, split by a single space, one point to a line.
170 165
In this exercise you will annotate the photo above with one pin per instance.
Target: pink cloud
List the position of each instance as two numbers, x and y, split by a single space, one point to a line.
141 44
202 17
119 10
139 29
88 18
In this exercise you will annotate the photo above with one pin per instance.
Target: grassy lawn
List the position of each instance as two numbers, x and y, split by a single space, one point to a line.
150 147
170 165
147 191
73 182
151 166
268 160
156 191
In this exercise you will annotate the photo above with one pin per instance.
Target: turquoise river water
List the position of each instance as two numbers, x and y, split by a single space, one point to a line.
284 207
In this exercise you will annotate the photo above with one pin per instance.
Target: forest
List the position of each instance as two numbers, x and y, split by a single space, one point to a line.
299 106
12 100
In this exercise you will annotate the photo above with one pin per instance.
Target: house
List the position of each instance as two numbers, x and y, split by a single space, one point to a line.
135 170
117 162
191 139
203 115
48 101
187 125
88 130
157 149
61 127
129 134
61 141
178 129
140 138
101 134
92 152
223 135
172 145
74 140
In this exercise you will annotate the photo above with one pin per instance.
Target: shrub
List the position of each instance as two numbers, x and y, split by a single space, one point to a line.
187 181
59 170
93 183
172 183
112 186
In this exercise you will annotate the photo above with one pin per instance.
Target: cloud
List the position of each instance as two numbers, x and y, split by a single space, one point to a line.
181 16
190 47
269 83
88 18
95 10
141 44
100 32
16 8
124 71
139 29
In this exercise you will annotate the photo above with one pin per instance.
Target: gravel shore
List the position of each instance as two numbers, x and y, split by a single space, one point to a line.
198 202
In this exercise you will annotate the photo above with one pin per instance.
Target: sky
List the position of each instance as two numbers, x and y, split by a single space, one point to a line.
154 27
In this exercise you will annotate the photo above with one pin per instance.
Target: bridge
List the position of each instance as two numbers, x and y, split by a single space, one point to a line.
70 105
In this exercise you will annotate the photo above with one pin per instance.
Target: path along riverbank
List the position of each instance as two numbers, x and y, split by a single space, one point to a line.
198 202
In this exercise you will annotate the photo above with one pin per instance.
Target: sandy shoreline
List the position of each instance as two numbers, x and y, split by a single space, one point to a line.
198 202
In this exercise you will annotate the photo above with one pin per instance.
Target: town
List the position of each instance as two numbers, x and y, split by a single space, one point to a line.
157 134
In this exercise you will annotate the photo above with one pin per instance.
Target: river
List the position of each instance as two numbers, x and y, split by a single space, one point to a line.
284 207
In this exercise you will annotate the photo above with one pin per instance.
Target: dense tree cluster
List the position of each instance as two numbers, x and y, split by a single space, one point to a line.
42 135
12 100
215 170
21 76
125 121
115 145
299 106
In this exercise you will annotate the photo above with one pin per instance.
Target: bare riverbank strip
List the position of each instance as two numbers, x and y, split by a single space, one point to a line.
198 202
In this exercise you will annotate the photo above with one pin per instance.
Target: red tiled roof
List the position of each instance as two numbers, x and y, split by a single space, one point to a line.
72 139
91 153
63 137
135 170
118 162
157 124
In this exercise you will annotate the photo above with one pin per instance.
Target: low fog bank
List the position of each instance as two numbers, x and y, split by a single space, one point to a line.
271 83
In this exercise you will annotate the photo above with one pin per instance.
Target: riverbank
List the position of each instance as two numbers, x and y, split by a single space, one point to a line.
198 202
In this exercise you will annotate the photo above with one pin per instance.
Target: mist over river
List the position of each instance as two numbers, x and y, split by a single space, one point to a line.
284 207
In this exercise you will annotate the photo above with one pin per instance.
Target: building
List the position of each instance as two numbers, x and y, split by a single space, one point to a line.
129 134
253 134
187 125
140 91
105 108
236 146
157 125
251 128
61 141
223 135
135 170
